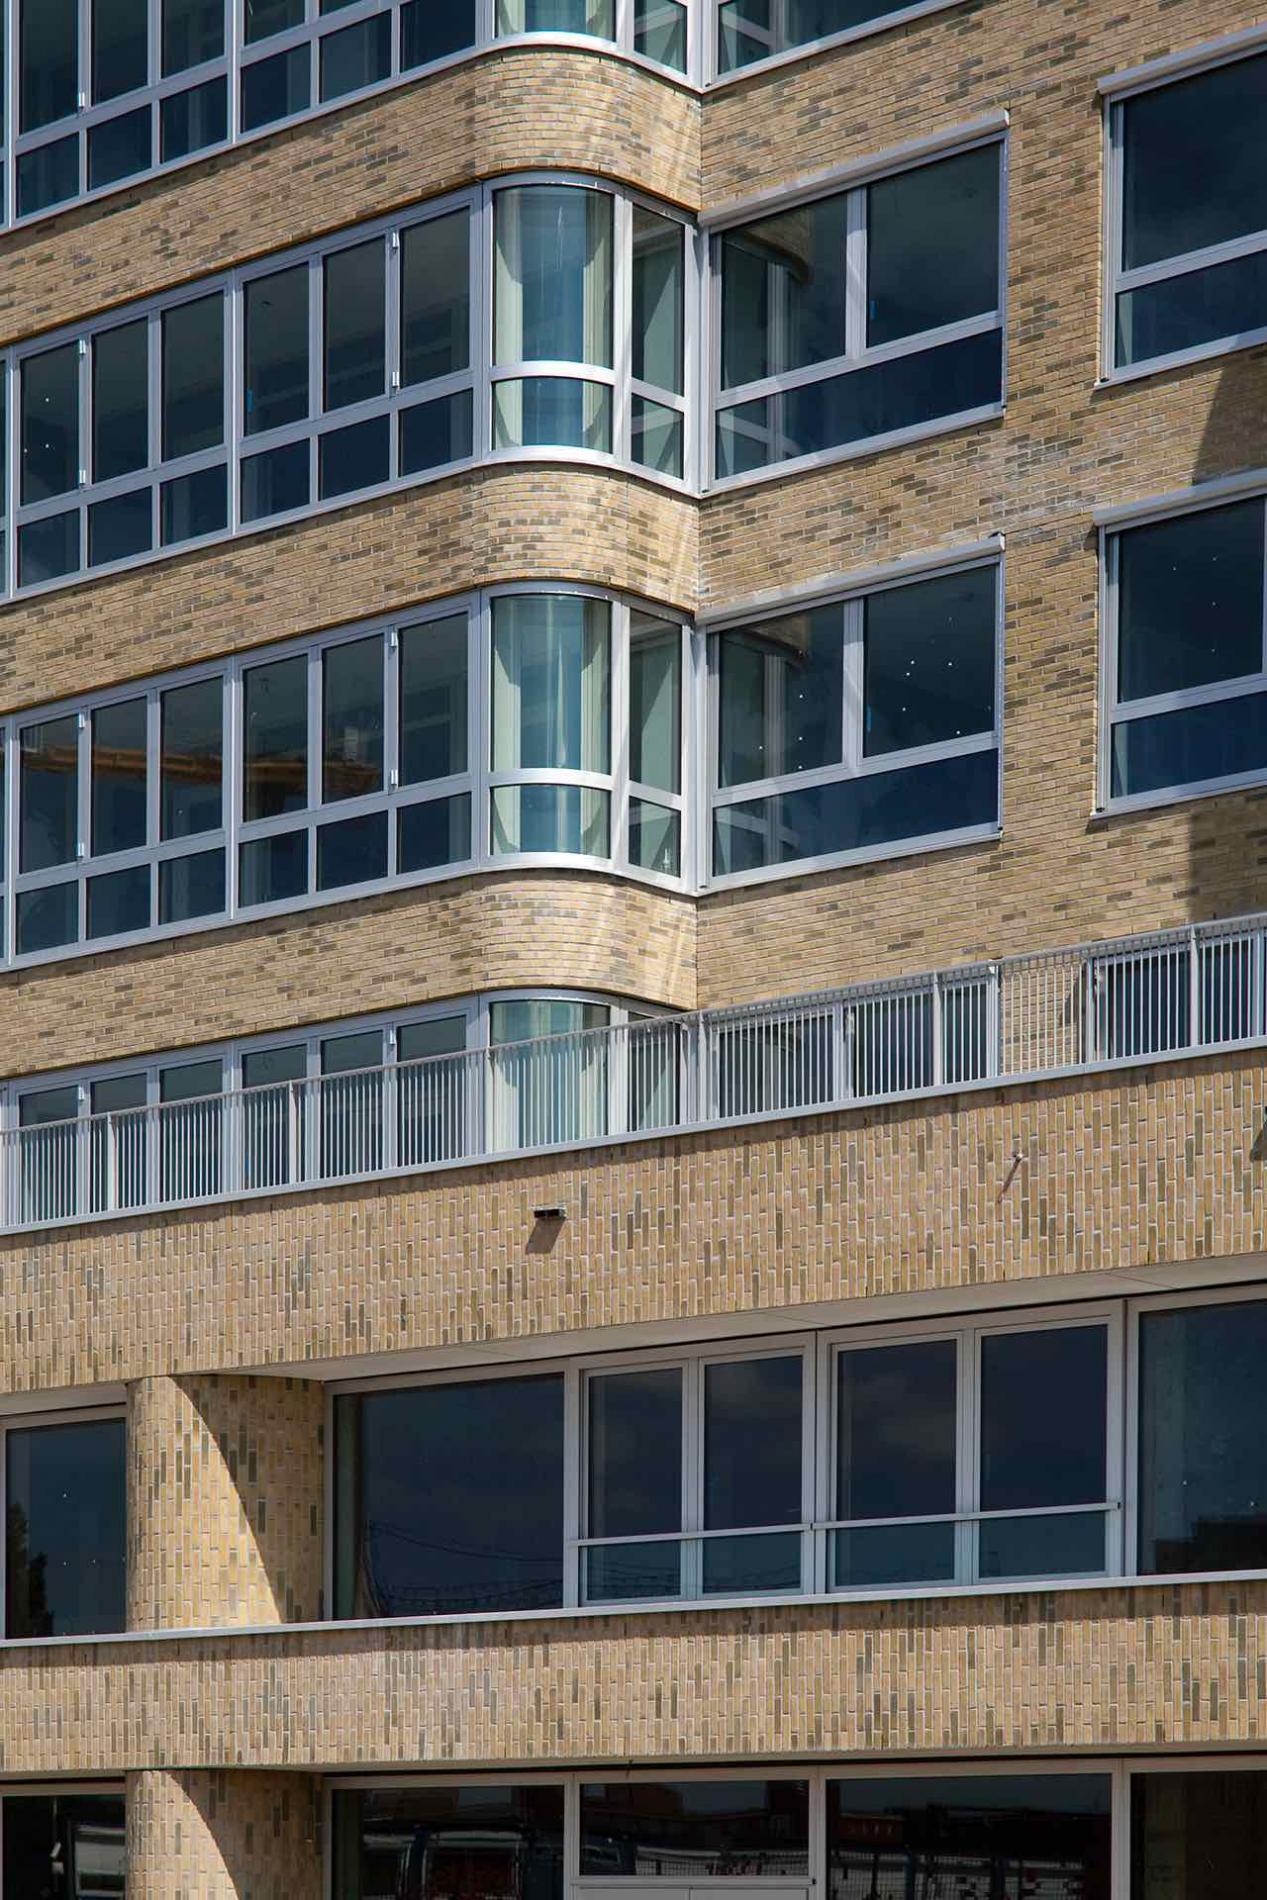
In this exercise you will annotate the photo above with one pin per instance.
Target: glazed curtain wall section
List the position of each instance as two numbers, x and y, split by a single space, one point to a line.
484 732
543 317
107 91
1100 1441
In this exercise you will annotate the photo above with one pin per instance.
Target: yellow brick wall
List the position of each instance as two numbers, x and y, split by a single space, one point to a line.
222 1836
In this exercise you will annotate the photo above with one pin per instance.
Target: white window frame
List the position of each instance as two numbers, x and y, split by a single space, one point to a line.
854 184
33 1421
852 764
1118 90
1114 711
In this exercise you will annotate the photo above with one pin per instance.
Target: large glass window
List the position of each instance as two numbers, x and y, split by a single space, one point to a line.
1189 249
749 30
72 1840
450 1498
1194 1834
695 1829
430 1843
551 724
970 1834
866 723
1187 679
861 316
65 1529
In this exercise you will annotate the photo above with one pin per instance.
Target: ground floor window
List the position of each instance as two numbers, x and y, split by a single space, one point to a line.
70 1842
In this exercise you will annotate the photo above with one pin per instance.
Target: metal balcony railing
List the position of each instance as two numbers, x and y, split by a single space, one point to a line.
1135 1000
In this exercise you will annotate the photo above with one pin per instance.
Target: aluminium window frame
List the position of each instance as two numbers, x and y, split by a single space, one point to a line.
58 1790
805 49
1112 711
99 1412
853 182
1117 91
852 764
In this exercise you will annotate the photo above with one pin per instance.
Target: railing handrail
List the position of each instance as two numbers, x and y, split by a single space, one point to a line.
858 1052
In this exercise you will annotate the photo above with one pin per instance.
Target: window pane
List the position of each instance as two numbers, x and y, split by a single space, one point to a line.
192 751
355 324
1196 746
551 682
265 17
276 349
190 887
555 16
276 481
50 423
451 1498
1202 1454
193 376
433 834
194 505
635 1482
119 902
1171 205
896 1424
47 918
48 175
1194 1835
985 1834
860 814
438 1843
274 88
359 56
655 436
657 300
76 1831
553 275
781 696
1044 1442
119 776
573 819
433 433
749 30
358 456
1190 601
563 412
660 32
655 837
49 758
933 245
752 1473
433 702
783 292
929 660
65 1531
655 703
429 32
120 47
48 61
1218 304
194 119
119 148
435 291
746 1829
352 719
120 527
120 401
273 870
275 738
352 851
193 30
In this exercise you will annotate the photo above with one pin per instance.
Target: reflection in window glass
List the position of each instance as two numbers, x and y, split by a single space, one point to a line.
435 289
450 1498
191 746
429 32
928 662
275 738
655 703
1170 205
749 30
193 376
119 776
552 275
355 323
752 1473
933 246
551 691
64 1552
635 1483
193 31
1043 1412
896 1426
49 793
80 1835
1194 1835
780 696
120 47
433 700
359 55
655 1829
783 292
657 299
276 349
352 719
986 1834
1202 1455
50 423
426 1843
48 61
120 401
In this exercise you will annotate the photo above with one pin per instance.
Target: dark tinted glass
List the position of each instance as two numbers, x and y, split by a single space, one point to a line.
352 851
430 32
47 917
65 1530
981 1834
118 776
1043 1442
437 1843
194 505
48 548
635 1482
119 902
78 1836
120 47
1195 163
274 88
48 61
48 175
355 324
749 30
120 527
433 433
433 702
49 825
435 290
193 376
119 148
276 323
896 1421
780 703
929 659
432 834
745 1829
658 314
275 738
1202 1453
1191 747
193 30
356 457
277 480
864 813
752 1473
359 56
265 17
451 1498
50 423
192 886
120 401
904 393
194 119
783 292
191 747
271 870
933 246
1195 1835
1190 600
1221 302
352 719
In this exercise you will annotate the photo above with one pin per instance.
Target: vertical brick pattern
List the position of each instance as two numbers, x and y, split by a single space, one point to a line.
194 1835
225 1489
